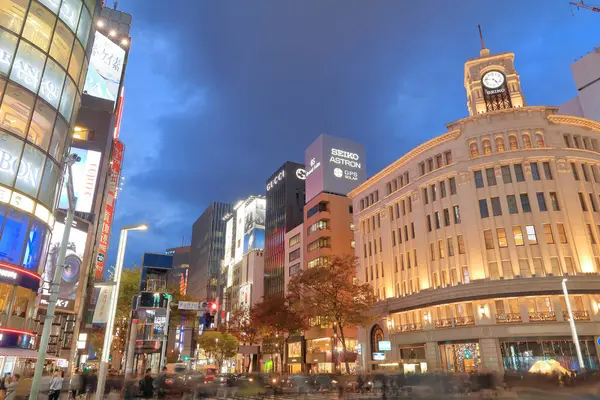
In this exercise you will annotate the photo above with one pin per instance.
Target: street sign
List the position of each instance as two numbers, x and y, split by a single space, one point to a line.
188 305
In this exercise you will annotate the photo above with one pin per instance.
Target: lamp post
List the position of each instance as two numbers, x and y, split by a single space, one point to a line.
113 308
572 323
55 284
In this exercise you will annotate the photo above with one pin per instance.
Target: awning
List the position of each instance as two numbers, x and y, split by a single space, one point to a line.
22 353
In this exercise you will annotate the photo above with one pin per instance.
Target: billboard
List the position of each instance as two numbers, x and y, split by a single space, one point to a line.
254 225
69 283
116 159
105 69
334 165
85 176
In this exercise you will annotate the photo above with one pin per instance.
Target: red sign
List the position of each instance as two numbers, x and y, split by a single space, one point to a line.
119 113
116 159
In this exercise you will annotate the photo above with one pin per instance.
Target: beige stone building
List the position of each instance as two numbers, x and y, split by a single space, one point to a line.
466 239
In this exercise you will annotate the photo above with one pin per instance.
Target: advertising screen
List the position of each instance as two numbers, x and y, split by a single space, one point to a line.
334 165
105 69
385 345
85 175
254 225
69 284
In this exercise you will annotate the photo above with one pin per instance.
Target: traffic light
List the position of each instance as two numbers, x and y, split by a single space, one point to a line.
213 306
186 358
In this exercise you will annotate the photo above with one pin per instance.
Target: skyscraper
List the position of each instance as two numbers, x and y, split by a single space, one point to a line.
285 202
208 249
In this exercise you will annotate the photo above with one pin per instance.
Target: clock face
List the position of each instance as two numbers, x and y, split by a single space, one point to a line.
493 79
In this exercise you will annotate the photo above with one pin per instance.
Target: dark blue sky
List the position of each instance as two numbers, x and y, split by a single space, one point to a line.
220 93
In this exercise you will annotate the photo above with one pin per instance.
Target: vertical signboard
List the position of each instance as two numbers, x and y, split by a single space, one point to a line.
105 69
102 308
116 159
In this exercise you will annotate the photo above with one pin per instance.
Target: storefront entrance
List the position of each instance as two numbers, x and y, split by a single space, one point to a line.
460 357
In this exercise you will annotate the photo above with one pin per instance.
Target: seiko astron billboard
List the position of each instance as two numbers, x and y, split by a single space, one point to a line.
334 165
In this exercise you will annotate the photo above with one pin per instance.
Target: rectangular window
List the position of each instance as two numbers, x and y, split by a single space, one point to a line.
433 189
441 248
567 140
518 236
442 189
412 230
448 157
465 273
394 237
483 208
562 235
541 199
461 244
456 213
391 211
512 204
405 232
490 176
582 202
525 203
575 173
547 170
548 237
595 173
590 232
365 250
403 208
429 164
432 251
318 226
585 172
321 207
438 220
450 243
452 185
396 263
294 255
428 223
399 235
489 239
554 201
478 179
535 172
496 207
446 217
531 236
506 175
425 196
294 240
502 241
593 202
422 168
409 201
519 173
415 257
439 163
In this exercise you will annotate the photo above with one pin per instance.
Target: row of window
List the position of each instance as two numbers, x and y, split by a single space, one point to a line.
294 269
320 243
294 240
397 183
592 200
580 142
437 218
507 175
372 247
320 261
433 190
412 234
405 205
408 259
446 247
369 223
513 143
369 200
433 163
530 236
318 226
317 208
513 208
585 171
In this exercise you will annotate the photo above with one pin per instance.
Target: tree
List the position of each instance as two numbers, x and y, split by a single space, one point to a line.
218 345
332 292
275 319
130 286
242 328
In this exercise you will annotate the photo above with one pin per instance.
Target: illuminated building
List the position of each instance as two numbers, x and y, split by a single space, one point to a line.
178 276
467 238
285 199
208 247
43 64
586 73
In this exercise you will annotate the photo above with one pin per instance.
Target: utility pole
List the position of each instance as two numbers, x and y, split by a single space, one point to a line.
55 285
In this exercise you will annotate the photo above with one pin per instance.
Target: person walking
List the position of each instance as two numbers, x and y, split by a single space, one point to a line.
146 384
76 385
56 385
160 383
11 388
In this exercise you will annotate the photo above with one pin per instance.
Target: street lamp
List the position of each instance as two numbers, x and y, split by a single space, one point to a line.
572 323
113 308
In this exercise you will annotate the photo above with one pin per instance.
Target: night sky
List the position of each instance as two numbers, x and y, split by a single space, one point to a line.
219 93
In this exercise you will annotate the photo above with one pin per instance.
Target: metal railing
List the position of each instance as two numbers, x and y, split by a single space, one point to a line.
443 323
508 318
409 327
542 316
462 321
578 315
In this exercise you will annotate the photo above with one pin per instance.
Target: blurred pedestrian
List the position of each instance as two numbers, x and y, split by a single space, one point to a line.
146 386
76 384
160 383
56 384
11 388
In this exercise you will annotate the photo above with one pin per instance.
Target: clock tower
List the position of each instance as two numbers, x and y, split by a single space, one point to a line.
492 83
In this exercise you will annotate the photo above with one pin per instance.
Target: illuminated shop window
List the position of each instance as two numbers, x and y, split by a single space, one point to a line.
57 145
16 109
52 83
69 12
28 66
53 5
40 129
12 14
13 236
68 97
8 46
39 25
62 44
23 299
10 152
49 183
34 245
30 171
76 62
83 30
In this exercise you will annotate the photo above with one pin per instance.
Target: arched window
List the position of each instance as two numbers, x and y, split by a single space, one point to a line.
376 337
487 147
513 142
526 141
499 144
474 149
539 139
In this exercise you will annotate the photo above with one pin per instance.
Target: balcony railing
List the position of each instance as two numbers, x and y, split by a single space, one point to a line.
543 316
443 323
577 315
508 318
463 321
409 328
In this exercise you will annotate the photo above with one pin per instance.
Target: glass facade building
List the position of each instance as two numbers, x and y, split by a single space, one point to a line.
43 62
